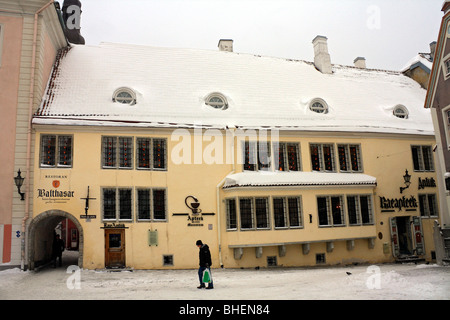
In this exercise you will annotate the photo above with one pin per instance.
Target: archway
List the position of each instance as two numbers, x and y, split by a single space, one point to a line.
40 236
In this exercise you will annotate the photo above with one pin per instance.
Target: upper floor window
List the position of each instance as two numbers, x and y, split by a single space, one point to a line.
288 157
322 157
349 158
256 155
118 153
422 158
56 151
447 67
125 96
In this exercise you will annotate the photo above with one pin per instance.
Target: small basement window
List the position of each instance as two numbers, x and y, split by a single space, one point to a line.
272 261
168 260
401 112
318 106
217 101
125 96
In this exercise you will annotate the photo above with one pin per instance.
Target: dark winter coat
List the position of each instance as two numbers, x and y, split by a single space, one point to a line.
205 256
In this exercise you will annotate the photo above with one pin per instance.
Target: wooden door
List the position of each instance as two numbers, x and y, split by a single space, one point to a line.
114 248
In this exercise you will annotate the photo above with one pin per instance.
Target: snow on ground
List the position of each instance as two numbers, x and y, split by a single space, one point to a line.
386 281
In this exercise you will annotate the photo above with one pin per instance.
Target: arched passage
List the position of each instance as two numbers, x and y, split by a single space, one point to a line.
40 236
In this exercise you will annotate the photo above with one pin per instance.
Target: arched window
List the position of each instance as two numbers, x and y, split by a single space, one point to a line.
318 106
217 101
401 112
125 96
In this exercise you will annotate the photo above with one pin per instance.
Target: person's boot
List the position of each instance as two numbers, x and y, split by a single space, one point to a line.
201 286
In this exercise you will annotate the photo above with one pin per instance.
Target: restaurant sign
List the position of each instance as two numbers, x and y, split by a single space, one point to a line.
389 205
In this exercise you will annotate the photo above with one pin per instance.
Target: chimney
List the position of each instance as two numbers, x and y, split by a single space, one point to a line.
71 12
226 45
360 62
322 58
432 49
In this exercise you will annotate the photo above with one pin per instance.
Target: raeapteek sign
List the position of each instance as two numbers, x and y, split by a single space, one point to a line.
195 219
389 205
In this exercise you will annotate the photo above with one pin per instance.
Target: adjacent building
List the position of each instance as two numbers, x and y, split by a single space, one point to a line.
271 162
31 35
438 101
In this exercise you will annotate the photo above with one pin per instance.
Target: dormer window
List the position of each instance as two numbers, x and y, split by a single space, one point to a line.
318 106
125 96
401 112
217 101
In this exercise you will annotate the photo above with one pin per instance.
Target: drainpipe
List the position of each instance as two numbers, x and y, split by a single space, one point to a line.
29 130
221 183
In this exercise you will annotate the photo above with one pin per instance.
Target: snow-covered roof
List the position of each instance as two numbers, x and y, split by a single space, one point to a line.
421 60
171 85
300 179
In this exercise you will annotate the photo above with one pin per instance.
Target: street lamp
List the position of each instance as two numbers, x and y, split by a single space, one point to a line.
407 179
19 182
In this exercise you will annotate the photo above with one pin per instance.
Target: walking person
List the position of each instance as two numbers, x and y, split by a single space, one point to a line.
205 263
57 250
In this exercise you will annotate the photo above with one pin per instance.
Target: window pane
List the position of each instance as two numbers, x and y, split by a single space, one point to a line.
245 206
336 210
262 217
249 156
159 153
315 157
427 158
423 205
144 204
355 158
342 154
352 210
366 209
125 152
322 206
143 153
109 204
48 151
125 204
292 155
159 204
281 165
263 155
65 150
432 205
109 152
294 212
279 212
328 157
416 158
231 214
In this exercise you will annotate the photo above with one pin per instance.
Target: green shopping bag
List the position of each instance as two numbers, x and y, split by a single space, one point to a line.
206 276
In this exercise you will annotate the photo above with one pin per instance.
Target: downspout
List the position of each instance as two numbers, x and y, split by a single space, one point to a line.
29 130
221 183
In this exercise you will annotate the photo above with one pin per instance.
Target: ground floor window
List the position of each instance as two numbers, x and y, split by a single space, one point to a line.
359 209
254 213
330 210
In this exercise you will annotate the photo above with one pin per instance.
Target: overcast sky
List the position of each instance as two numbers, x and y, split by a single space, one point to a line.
388 33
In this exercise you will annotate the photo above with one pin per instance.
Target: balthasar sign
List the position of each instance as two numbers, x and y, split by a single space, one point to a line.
389 205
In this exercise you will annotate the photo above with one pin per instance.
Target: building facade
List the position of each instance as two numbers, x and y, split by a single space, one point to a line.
271 162
438 101
30 36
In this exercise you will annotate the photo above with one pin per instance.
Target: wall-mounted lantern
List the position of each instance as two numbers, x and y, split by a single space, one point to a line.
19 182
407 180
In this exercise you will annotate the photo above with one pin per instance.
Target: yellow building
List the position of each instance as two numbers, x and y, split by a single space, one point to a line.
271 162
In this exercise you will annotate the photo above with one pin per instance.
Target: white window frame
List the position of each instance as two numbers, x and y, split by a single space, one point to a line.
321 157
217 101
426 205
319 106
277 146
131 100
348 163
330 222
57 154
401 112
421 158
359 221
117 204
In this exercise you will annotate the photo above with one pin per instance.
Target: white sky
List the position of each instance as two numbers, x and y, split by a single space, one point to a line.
387 33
